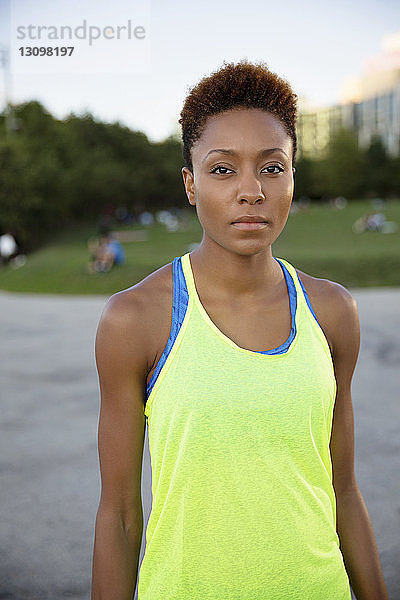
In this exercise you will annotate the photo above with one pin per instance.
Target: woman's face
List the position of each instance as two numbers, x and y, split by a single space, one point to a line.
242 165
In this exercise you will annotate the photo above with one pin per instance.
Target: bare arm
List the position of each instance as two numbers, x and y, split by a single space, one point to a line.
121 365
357 539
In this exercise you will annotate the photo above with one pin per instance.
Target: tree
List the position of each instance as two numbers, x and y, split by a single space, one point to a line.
342 168
376 171
53 171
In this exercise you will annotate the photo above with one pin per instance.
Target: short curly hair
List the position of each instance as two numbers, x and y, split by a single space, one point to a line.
240 85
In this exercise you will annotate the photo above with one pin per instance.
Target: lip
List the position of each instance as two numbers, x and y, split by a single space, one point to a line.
250 219
250 222
249 226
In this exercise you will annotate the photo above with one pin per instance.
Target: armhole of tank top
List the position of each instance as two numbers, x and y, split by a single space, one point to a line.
180 300
308 307
313 317
307 299
292 292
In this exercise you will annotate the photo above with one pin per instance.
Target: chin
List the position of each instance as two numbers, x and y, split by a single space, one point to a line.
250 248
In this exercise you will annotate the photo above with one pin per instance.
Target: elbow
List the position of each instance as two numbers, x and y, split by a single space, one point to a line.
348 497
345 486
127 519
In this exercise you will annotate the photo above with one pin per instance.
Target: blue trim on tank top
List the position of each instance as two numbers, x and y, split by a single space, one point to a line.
180 300
308 300
291 288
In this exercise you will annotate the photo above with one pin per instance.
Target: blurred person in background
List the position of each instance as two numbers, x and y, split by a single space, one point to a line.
9 251
242 365
105 253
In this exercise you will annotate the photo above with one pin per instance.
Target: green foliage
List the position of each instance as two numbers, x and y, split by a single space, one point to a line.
377 166
304 178
349 171
53 172
343 165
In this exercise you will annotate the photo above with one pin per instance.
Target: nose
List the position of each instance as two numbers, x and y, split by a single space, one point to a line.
250 190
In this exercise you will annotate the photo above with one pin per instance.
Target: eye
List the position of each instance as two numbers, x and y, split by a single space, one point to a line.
224 170
279 169
271 169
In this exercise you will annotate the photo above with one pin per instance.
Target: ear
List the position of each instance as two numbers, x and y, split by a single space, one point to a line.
293 172
188 181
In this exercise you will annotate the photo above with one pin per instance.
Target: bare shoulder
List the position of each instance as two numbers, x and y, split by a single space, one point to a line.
326 292
335 308
134 317
138 304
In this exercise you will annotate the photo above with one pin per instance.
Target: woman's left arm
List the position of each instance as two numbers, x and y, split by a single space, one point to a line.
354 528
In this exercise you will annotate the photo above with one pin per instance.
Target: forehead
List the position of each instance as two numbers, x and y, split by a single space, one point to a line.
245 130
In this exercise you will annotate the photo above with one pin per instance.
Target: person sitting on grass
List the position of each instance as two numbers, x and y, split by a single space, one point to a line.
105 252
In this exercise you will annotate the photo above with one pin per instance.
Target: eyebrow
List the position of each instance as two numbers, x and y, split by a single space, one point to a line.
263 152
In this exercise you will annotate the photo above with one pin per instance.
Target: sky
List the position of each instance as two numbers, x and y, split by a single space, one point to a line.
315 45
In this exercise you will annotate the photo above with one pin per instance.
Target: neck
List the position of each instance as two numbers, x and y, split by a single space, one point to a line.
235 275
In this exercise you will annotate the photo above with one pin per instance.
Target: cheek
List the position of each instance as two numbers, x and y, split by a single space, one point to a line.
284 200
287 192
207 210
208 201
289 187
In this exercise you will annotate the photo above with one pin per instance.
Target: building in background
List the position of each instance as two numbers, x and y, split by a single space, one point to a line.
369 105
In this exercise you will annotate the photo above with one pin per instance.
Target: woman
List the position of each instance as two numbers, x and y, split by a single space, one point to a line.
246 383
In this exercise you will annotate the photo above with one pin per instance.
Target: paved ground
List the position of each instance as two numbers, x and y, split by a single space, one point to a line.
49 479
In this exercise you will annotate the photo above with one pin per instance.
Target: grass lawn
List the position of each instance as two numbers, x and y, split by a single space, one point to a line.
319 241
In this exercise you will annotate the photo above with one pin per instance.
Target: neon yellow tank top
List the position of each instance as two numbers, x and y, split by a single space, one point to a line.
243 503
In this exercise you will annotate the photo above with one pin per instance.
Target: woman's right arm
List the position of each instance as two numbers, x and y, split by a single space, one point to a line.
122 367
